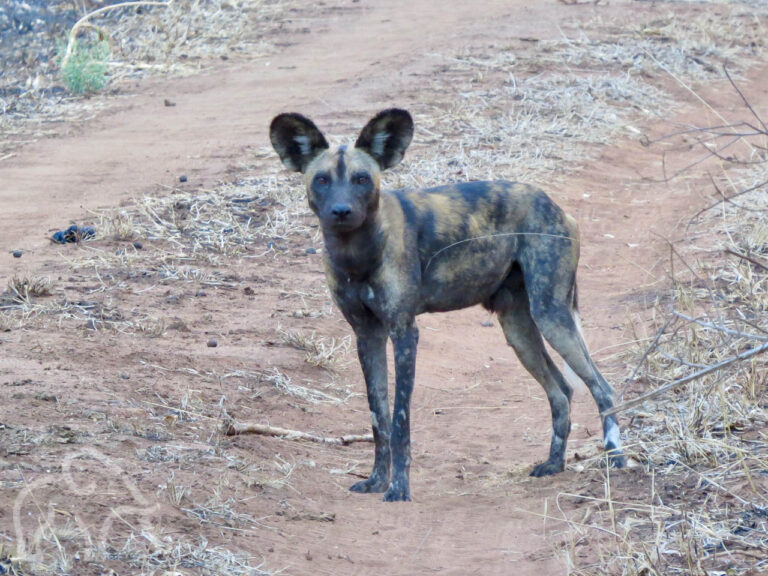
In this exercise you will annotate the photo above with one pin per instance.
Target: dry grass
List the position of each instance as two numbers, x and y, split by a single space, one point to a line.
534 115
322 352
244 218
692 48
22 289
190 34
151 554
283 383
188 237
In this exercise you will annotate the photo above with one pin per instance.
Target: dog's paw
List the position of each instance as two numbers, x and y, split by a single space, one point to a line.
370 486
397 492
548 468
616 459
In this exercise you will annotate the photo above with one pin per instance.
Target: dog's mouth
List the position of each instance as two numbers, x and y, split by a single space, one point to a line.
342 225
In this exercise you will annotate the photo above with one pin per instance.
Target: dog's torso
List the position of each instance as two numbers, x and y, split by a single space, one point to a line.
444 248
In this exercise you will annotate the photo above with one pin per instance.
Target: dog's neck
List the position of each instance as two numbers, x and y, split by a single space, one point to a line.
353 256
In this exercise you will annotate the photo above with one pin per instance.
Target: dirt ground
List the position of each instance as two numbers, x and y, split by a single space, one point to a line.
112 461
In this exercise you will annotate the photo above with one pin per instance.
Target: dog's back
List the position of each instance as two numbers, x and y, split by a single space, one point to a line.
466 237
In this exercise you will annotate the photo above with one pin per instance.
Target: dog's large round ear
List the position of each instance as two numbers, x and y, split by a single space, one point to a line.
296 139
386 136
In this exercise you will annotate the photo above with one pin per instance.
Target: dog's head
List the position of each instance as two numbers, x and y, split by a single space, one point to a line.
342 184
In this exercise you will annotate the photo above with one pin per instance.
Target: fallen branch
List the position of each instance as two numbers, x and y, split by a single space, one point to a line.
235 428
695 376
718 328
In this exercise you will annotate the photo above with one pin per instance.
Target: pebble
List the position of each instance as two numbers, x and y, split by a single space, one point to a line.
138 245
17 253
212 343
311 251
183 178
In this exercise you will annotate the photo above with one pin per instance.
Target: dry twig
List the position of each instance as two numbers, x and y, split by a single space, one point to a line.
695 376
235 428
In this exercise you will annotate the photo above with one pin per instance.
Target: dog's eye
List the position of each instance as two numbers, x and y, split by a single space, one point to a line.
362 179
321 180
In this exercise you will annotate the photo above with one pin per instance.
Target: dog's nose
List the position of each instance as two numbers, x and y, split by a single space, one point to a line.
341 211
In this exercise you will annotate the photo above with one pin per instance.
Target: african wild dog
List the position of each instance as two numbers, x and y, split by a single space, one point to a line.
391 255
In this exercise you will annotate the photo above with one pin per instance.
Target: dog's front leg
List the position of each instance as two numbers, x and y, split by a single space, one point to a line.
405 341
372 352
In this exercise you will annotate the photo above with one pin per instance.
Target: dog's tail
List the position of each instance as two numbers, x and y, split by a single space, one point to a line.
570 376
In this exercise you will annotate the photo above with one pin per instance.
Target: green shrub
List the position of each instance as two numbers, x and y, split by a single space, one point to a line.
85 71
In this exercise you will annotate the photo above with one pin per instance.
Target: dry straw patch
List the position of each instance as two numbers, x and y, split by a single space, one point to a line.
153 554
238 219
534 114
320 351
704 443
185 237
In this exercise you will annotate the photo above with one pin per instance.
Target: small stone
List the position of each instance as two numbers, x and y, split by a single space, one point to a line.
90 324
183 178
311 251
169 103
212 343
249 291
138 245
17 253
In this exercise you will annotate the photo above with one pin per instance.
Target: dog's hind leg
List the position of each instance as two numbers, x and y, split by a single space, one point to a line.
372 351
552 311
511 305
